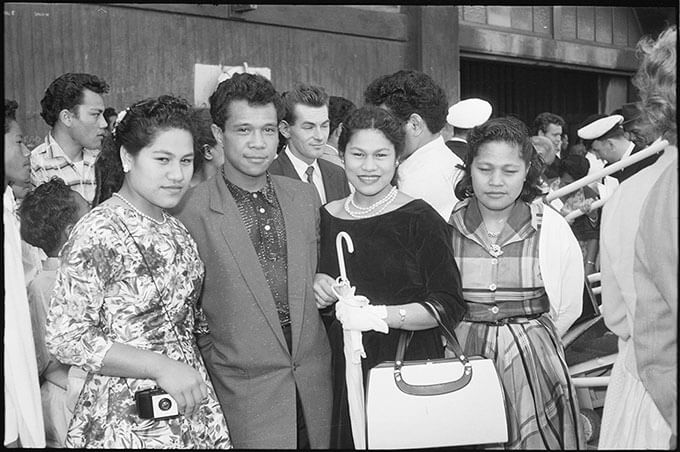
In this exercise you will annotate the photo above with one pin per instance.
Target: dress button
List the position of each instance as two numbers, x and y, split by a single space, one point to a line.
494 261
267 227
295 366
254 195
492 286
261 209
495 309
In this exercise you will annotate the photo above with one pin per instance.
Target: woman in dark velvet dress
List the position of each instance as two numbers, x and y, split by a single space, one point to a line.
402 257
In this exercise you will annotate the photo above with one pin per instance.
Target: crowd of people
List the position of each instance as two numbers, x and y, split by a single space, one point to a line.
171 272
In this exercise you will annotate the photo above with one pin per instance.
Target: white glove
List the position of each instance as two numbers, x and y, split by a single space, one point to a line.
361 318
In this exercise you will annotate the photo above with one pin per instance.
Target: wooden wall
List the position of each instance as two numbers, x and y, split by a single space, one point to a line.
149 49
146 50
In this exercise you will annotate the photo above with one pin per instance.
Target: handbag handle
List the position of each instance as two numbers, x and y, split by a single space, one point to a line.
438 388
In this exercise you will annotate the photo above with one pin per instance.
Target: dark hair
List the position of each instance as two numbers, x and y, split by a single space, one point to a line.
10 113
313 96
408 92
511 131
578 149
371 117
543 120
201 122
253 88
109 111
577 166
339 108
137 130
45 213
108 171
66 92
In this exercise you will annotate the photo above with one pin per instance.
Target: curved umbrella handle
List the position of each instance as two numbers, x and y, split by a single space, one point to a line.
341 256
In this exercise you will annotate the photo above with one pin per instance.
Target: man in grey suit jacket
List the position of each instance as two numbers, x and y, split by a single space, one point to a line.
305 126
267 351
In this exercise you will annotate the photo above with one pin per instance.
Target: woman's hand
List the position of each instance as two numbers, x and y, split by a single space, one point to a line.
323 293
184 383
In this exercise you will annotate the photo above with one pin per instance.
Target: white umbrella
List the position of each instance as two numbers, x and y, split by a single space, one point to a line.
353 347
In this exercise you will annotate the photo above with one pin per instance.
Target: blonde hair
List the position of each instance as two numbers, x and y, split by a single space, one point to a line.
656 80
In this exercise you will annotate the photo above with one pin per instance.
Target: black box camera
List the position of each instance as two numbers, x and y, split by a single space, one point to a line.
154 403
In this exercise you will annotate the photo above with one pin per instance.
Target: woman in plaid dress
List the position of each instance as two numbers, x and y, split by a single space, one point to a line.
519 261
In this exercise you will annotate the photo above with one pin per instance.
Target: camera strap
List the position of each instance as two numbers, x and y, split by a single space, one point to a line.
160 296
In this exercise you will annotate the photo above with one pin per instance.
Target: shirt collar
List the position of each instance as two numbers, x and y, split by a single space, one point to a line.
437 143
55 150
629 151
462 140
425 154
300 165
524 219
267 192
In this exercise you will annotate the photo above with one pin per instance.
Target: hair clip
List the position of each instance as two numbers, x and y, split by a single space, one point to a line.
119 118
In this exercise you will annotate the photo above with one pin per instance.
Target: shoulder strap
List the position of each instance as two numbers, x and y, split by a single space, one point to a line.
160 298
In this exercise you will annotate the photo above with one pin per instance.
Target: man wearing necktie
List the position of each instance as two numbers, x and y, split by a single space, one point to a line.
309 171
305 127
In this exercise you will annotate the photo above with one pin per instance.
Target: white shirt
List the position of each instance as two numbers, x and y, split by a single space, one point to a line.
430 173
561 264
23 409
301 166
629 151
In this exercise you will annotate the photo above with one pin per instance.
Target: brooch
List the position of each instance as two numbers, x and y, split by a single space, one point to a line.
495 250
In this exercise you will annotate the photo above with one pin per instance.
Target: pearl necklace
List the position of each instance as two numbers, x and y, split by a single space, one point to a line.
132 206
374 209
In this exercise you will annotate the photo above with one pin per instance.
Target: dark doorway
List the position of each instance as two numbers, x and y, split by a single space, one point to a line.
526 90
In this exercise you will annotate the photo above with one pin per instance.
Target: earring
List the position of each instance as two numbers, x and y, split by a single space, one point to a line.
125 168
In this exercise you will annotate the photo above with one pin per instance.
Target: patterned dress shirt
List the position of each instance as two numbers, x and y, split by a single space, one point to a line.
49 160
262 216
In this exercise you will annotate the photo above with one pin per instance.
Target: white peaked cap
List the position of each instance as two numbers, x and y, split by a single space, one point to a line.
599 127
469 113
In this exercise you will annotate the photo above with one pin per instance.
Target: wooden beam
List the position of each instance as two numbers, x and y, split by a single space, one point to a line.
433 45
440 56
332 19
591 56
414 47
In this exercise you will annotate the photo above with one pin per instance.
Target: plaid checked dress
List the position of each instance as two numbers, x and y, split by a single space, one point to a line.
508 321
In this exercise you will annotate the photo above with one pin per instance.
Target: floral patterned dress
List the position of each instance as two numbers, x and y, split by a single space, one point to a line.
105 293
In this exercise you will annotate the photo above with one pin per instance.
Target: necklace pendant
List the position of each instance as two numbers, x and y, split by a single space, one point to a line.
495 250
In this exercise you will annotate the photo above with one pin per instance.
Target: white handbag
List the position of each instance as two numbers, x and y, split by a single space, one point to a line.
434 403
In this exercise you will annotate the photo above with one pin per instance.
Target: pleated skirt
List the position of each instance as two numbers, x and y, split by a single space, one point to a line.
541 404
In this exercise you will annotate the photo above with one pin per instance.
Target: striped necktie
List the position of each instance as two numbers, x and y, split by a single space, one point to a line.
308 172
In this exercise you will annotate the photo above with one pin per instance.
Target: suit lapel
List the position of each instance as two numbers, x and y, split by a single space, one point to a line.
287 168
332 181
241 247
297 253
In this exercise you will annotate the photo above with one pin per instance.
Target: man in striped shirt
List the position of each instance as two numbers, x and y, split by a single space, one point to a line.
73 107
